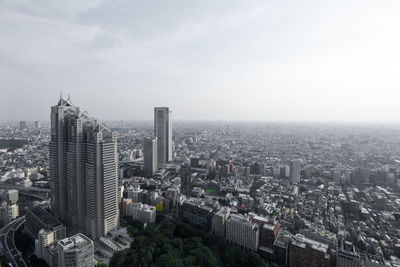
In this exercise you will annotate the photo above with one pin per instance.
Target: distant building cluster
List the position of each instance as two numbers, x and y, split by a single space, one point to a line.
296 195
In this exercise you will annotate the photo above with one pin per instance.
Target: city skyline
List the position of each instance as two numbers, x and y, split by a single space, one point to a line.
264 61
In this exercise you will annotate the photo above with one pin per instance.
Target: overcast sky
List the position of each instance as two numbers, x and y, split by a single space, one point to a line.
206 60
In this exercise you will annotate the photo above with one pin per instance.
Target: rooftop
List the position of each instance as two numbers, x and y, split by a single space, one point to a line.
45 217
75 242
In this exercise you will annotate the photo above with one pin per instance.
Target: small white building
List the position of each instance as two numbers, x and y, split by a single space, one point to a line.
142 212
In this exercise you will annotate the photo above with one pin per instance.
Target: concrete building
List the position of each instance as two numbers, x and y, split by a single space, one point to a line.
347 256
186 180
77 250
295 166
242 232
281 248
321 235
46 247
84 169
8 212
38 125
142 212
125 206
134 192
163 133
219 221
22 125
196 212
304 252
38 219
12 196
269 229
150 155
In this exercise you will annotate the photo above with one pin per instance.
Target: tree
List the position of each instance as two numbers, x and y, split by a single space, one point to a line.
167 260
204 256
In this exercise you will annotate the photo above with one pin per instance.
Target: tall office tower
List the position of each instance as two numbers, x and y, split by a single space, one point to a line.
38 125
295 166
186 181
150 155
22 125
77 250
163 132
84 171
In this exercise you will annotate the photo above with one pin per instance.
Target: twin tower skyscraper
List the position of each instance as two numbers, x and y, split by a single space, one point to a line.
84 171
84 167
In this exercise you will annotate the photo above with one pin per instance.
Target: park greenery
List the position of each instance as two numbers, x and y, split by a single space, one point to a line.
180 244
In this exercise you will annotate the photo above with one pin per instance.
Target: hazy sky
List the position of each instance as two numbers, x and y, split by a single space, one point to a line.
206 60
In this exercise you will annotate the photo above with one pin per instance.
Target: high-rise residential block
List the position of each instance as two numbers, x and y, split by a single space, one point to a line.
84 171
163 132
150 155
295 166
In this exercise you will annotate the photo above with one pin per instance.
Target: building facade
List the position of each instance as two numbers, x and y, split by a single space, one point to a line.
84 171
295 166
219 221
242 232
142 212
304 252
150 155
186 180
76 251
38 219
46 247
163 133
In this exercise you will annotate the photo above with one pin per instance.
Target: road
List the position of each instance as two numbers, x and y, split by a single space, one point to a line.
7 247
27 189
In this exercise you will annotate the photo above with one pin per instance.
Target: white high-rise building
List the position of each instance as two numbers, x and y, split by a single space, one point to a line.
163 132
150 155
84 171
77 250
295 166
241 231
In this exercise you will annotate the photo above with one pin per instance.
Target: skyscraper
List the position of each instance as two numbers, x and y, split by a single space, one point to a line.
186 183
295 166
84 171
163 132
22 125
150 155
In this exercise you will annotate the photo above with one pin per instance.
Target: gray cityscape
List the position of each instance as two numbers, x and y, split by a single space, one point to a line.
213 133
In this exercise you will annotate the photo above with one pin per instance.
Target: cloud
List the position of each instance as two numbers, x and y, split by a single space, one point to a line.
258 60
